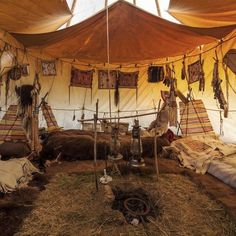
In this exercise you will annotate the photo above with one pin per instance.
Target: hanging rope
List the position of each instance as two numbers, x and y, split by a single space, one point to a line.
190 55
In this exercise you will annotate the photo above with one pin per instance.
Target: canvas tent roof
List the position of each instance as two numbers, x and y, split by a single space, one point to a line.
204 13
134 35
34 16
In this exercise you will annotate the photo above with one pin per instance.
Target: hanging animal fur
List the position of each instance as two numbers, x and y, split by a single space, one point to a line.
201 76
117 93
183 71
216 84
167 78
24 94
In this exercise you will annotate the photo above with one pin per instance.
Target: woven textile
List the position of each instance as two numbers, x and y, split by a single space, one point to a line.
81 78
128 80
194 118
49 116
11 128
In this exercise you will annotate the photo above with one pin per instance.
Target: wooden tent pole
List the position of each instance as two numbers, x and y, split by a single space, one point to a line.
72 11
36 123
158 8
95 145
106 2
155 142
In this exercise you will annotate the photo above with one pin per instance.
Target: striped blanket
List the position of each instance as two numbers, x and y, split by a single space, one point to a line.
49 117
11 128
194 119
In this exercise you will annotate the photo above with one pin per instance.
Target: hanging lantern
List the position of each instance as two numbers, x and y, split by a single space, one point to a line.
136 146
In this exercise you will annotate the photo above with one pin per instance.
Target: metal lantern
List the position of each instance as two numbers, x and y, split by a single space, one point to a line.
136 146
114 154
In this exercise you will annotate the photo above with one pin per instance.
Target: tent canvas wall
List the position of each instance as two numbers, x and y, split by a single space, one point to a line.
57 86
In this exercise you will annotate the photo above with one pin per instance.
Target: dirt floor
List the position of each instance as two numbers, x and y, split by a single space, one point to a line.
65 202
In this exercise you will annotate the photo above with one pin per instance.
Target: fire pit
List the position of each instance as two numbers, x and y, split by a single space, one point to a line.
136 204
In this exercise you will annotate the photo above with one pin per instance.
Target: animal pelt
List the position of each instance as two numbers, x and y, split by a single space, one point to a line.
78 145
117 93
183 71
14 150
24 94
170 153
160 123
218 93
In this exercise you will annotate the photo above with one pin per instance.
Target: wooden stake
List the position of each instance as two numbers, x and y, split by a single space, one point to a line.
35 123
95 145
72 12
158 8
155 143
106 2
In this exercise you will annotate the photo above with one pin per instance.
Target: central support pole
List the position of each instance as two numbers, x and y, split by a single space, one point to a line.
95 145
108 58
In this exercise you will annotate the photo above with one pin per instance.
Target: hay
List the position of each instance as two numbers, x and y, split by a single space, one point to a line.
14 207
78 145
70 206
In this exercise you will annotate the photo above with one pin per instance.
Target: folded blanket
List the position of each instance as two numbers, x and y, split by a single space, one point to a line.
14 173
197 152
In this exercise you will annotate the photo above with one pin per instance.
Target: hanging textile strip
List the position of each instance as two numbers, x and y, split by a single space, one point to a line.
194 119
117 92
81 78
201 75
104 82
49 116
11 128
49 68
168 76
194 70
183 70
128 79
155 74
217 90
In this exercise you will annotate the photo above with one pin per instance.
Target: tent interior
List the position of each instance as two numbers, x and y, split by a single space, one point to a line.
135 88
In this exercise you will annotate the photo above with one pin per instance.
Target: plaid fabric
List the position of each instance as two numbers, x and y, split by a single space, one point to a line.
194 119
11 128
49 116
